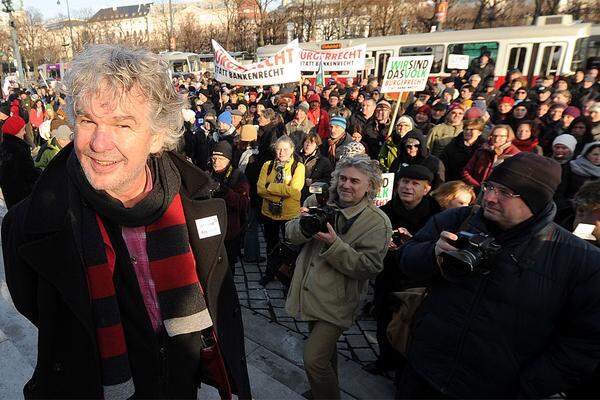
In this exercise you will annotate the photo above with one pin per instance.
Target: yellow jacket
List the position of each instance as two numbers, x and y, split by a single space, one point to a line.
288 192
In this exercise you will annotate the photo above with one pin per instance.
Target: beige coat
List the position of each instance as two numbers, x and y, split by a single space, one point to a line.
440 136
329 282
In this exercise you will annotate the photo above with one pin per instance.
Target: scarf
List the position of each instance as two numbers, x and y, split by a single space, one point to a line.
279 166
584 167
332 146
527 145
245 158
165 185
172 266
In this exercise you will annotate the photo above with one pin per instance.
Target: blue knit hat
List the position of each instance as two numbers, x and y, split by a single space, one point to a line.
226 118
339 121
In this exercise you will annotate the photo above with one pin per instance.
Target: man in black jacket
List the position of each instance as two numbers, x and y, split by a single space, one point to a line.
408 211
117 256
525 321
17 171
460 149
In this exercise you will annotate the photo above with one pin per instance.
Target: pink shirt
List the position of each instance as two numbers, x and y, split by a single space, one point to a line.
135 240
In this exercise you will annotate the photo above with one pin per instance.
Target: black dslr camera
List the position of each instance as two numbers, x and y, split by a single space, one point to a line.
473 250
320 215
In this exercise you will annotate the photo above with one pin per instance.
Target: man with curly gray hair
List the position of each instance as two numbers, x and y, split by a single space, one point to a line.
335 265
136 298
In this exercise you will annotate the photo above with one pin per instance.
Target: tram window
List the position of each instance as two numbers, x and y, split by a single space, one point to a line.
550 60
474 50
516 59
592 51
437 51
180 66
579 54
382 63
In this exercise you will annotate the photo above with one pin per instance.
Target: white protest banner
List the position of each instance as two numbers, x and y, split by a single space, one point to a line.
387 189
282 67
346 59
406 74
458 61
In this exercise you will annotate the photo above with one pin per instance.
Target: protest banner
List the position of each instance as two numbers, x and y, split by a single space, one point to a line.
458 61
406 74
387 189
345 59
282 67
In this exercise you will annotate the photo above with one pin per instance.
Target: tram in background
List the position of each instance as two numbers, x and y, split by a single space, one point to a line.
182 63
554 45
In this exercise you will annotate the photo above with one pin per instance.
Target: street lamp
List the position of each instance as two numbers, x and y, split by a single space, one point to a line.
8 8
70 26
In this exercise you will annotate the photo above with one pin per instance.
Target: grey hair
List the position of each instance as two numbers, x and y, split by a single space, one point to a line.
285 139
363 163
119 70
595 107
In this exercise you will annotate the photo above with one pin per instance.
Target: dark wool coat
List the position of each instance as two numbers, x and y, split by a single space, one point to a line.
17 173
52 291
235 190
456 155
368 129
318 168
527 329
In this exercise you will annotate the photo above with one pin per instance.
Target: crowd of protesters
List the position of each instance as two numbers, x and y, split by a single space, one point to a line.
265 146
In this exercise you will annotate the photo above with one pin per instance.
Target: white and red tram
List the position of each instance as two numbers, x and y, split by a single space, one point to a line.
554 45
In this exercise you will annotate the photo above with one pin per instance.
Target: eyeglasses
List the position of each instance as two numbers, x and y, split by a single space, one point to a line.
501 192
411 146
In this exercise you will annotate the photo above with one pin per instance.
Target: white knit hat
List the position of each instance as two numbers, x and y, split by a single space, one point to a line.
566 140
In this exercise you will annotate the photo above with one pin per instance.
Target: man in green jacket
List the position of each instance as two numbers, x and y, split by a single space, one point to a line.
61 137
335 265
443 134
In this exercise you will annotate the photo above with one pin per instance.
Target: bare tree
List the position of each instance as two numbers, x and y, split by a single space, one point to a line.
31 33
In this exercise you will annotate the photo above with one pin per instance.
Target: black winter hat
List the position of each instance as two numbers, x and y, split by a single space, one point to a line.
415 171
533 177
223 148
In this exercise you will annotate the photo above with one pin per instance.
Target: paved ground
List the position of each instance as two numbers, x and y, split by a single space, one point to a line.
274 344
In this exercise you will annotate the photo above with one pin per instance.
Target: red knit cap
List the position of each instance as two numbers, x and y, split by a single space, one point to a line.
314 98
425 109
13 125
508 100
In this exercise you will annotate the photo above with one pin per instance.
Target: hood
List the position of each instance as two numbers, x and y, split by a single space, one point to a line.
423 150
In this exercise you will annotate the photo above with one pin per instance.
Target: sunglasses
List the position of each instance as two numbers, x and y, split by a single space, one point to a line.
411 146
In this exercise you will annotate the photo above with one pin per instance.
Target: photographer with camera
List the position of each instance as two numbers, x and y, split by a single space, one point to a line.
344 243
408 211
513 302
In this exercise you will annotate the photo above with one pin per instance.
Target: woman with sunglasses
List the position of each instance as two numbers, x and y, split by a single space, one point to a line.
413 150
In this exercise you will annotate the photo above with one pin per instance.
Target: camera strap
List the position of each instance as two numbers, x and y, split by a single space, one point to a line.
465 224
293 170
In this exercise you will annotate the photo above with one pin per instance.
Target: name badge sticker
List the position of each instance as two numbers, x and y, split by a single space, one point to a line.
208 227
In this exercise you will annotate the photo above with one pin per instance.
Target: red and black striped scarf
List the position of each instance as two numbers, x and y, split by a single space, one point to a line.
173 268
